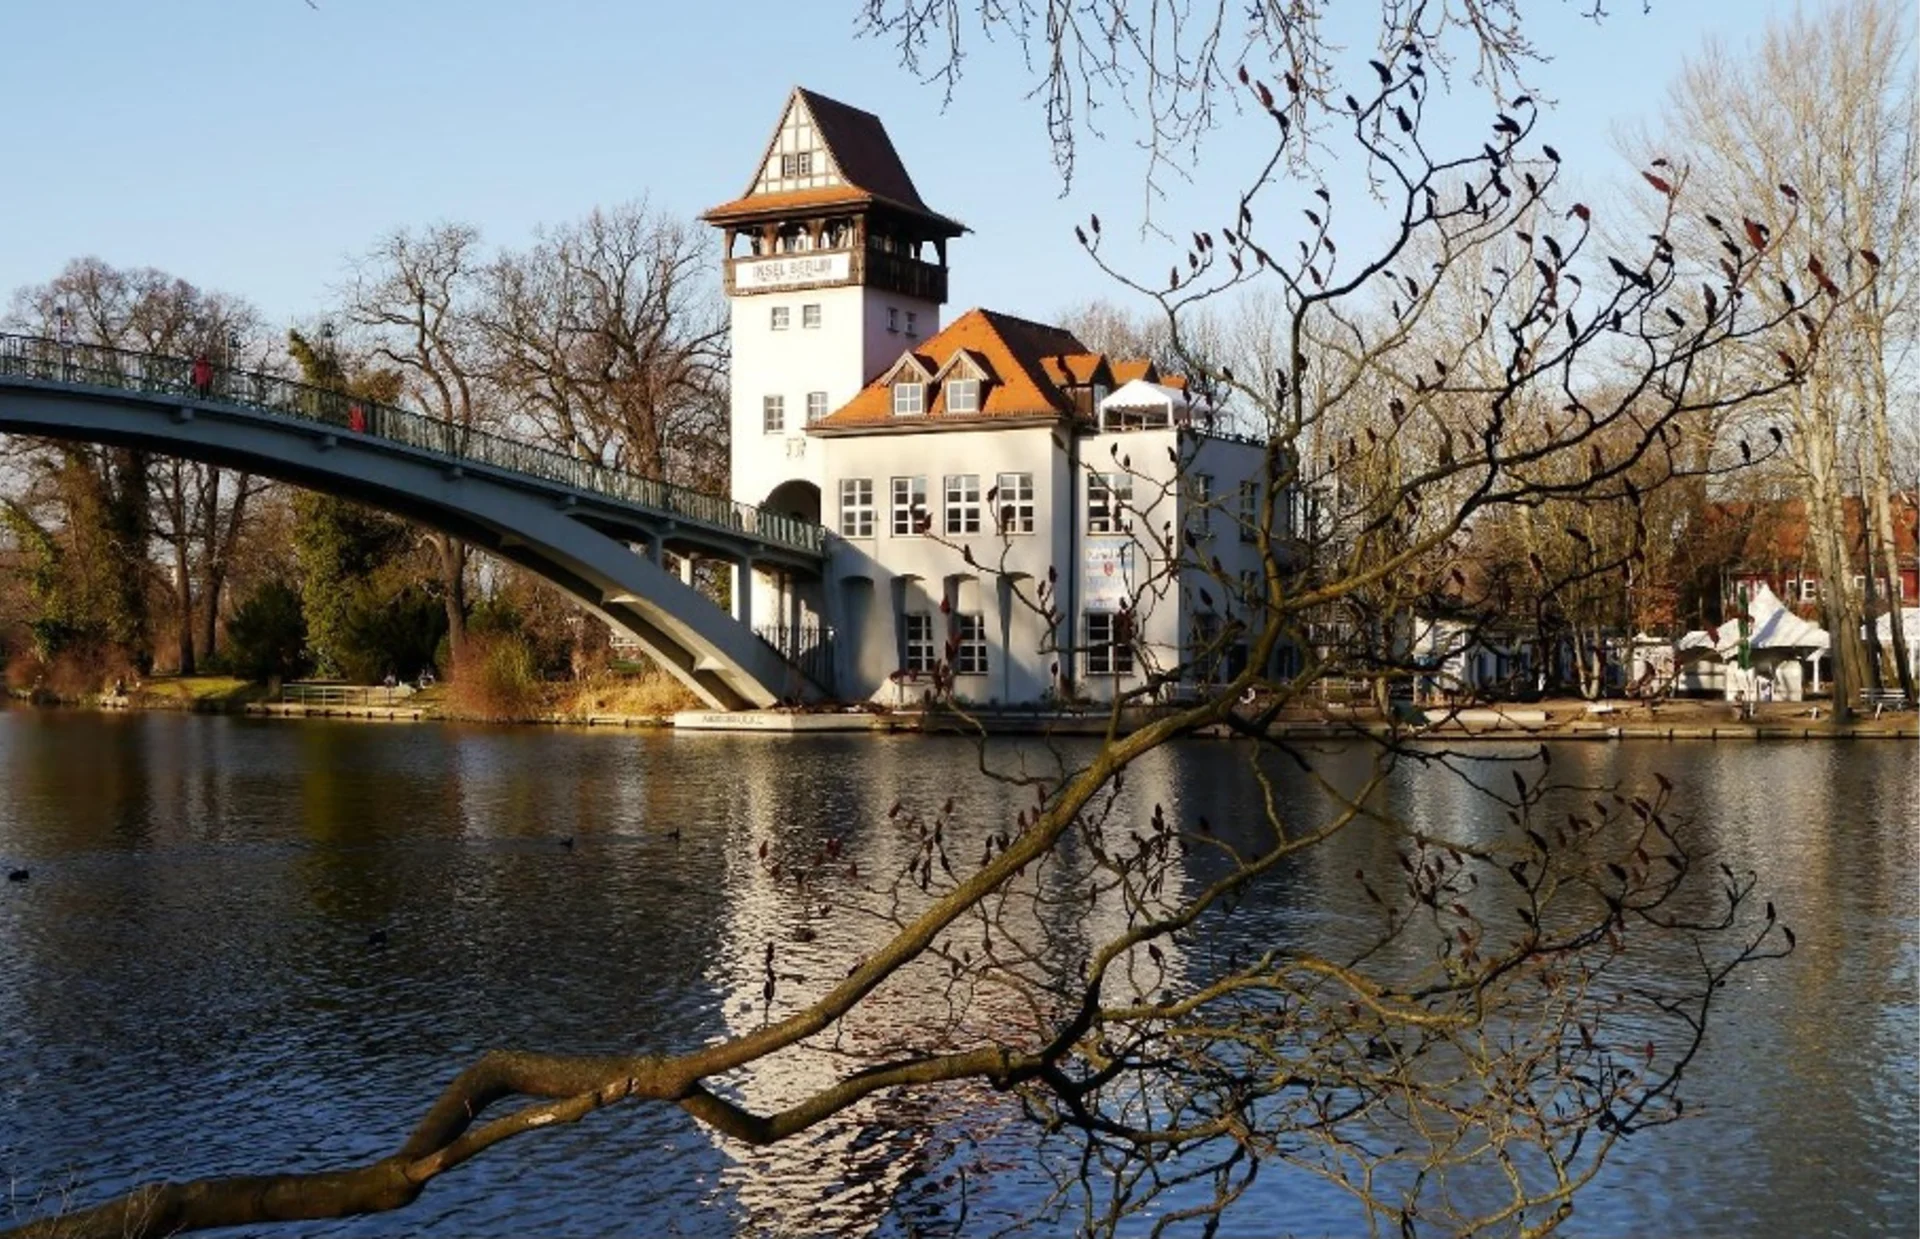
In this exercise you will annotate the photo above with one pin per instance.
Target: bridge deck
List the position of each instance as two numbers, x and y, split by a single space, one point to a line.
48 362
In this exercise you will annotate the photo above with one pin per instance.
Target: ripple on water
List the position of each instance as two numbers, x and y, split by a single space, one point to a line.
186 987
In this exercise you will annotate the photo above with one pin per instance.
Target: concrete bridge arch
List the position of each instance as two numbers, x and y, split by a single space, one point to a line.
575 523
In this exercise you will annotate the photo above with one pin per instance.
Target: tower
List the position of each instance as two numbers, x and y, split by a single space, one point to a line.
834 267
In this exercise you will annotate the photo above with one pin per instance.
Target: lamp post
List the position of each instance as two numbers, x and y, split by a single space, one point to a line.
63 331
328 380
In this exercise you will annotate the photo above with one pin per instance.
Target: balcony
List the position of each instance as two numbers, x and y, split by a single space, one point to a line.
910 277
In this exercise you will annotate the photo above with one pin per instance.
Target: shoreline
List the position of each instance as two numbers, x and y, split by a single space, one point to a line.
1572 720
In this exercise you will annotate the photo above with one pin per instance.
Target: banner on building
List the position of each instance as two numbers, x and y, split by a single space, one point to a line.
791 271
1106 578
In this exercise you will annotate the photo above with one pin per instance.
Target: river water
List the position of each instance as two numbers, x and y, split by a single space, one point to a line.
187 984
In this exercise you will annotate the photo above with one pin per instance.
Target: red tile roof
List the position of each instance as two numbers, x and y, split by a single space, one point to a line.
1078 369
1031 366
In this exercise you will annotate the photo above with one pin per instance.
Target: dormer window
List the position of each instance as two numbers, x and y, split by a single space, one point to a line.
963 395
909 399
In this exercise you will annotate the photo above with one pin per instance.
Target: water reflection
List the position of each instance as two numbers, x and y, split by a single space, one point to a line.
186 984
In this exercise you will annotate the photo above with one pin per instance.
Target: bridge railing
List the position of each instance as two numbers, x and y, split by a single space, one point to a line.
324 693
807 646
93 365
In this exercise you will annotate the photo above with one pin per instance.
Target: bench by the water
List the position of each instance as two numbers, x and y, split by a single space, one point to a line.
1882 699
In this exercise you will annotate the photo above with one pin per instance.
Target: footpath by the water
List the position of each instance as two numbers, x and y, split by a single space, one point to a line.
1552 719
1558 720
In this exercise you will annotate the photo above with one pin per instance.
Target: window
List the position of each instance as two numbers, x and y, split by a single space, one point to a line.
1809 590
918 630
1249 511
909 399
970 652
913 323
810 315
781 316
773 414
1013 502
816 406
1200 504
1107 497
1108 652
963 395
1206 630
796 165
856 507
909 505
893 319
963 503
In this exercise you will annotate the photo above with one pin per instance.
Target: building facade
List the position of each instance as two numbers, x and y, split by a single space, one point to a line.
1014 518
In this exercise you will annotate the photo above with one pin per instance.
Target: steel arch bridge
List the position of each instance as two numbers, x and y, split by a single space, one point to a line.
574 522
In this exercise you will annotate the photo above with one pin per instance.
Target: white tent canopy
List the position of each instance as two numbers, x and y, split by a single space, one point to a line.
1777 640
1143 404
1770 627
1909 626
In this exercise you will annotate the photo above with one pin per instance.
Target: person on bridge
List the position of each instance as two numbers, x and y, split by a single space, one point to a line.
356 418
202 375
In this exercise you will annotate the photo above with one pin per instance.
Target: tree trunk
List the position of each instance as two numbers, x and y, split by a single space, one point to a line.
1888 561
220 547
183 605
452 553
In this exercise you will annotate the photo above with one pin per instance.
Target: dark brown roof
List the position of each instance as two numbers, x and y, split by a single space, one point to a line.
858 144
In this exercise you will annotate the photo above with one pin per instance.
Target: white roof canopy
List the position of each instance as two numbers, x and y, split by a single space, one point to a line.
1771 627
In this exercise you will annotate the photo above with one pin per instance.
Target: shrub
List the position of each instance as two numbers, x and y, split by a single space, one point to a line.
494 680
650 694
267 637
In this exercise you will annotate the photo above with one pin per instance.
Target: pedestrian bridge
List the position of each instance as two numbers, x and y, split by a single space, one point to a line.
575 522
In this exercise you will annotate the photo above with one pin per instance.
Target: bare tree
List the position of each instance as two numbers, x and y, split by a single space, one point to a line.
611 339
1169 65
197 511
1816 129
416 298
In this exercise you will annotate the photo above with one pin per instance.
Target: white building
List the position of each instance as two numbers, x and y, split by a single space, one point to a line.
1008 507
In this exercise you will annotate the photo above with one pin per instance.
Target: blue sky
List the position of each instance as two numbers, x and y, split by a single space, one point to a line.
253 146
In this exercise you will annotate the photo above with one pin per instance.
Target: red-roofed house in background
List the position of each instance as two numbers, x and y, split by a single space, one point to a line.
1769 547
961 468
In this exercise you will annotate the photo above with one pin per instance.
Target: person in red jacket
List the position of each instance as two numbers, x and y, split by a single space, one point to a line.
202 375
